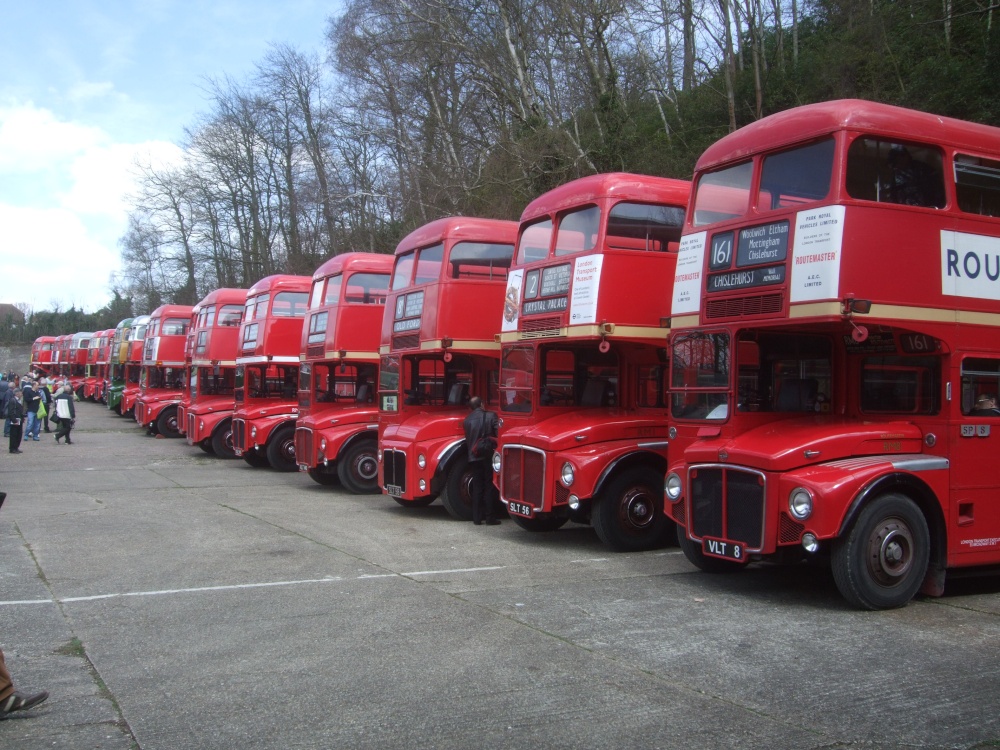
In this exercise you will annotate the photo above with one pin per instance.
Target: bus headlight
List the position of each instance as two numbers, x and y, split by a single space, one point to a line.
800 503
672 487
421 461
568 474
322 444
201 425
378 455
253 432
423 485
496 462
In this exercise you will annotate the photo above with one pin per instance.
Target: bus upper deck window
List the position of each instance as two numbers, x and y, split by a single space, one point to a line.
533 244
977 185
429 261
796 176
891 172
723 195
578 231
644 226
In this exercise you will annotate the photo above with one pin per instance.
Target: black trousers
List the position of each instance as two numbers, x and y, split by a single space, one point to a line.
482 491
16 430
65 425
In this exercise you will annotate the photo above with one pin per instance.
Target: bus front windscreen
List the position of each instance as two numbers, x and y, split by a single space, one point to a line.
699 381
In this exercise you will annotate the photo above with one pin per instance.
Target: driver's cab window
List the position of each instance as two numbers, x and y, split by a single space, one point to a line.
980 387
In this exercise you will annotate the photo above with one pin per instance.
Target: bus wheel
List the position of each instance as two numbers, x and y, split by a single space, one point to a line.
692 551
457 494
281 449
358 468
323 476
118 408
549 523
222 439
881 562
206 445
255 459
166 423
79 393
420 502
628 516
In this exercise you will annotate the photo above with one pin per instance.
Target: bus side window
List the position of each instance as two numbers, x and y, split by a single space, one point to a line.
889 172
980 386
977 185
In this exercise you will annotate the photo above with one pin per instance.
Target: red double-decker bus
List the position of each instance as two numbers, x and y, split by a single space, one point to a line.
98 352
213 341
583 394
438 349
267 371
163 369
43 355
76 361
336 433
60 355
133 366
836 349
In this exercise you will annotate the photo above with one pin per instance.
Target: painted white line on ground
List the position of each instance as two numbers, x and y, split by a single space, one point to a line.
238 586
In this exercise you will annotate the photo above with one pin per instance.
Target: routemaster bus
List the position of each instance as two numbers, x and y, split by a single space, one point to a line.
209 400
42 354
79 347
438 349
336 433
583 372
163 369
116 374
835 349
97 364
267 371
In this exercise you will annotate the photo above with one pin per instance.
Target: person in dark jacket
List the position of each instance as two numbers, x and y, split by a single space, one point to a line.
15 415
66 411
46 394
6 391
478 425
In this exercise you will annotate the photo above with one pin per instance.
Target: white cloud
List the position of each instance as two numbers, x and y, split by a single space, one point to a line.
63 205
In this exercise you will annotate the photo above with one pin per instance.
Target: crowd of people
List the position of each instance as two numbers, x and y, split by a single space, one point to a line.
29 404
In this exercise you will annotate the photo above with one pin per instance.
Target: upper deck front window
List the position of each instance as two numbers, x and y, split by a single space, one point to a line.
175 327
367 288
316 296
723 195
230 315
644 226
403 270
797 176
480 260
332 296
429 261
578 231
533 244
290 304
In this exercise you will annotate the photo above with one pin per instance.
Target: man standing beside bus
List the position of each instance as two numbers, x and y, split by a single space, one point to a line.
480 428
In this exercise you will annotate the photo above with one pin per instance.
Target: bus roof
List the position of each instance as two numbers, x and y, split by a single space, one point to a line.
223 296
617 185
353 262
166 311
811 121
459 228
280 283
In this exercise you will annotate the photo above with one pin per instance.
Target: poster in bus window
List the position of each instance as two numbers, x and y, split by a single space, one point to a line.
512 300
816 254
970 265
586 284
687 277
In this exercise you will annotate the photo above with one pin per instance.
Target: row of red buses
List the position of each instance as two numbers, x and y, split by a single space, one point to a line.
115 381
161 382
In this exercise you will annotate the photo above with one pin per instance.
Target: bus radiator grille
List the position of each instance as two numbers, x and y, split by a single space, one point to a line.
523 477
394 468
727 504
239 434
304 445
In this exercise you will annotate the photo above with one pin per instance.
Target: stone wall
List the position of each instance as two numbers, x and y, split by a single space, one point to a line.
16 358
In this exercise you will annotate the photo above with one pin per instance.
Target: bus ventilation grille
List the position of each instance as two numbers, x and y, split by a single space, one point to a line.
540 328
761 304
789 531
314 350
409 341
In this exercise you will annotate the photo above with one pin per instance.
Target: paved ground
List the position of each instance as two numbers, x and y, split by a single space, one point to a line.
171 600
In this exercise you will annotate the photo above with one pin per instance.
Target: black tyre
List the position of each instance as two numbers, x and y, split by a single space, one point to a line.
206 445
323 476
548 523
256 459
692 551
281 449
357 468
628 516
457 494
881 561
222 439
166 423
118 408
79 393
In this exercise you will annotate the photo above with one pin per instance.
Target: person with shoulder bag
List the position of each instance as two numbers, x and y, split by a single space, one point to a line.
46 407
480 430
66 412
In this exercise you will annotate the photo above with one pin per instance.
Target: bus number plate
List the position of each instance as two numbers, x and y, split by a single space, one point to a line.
520 509
394 490
724 549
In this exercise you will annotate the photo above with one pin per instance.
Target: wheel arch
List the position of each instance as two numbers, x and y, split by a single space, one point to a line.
920 493
633 459
368 433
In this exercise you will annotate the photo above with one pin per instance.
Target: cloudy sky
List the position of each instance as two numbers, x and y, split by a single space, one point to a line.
86 88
